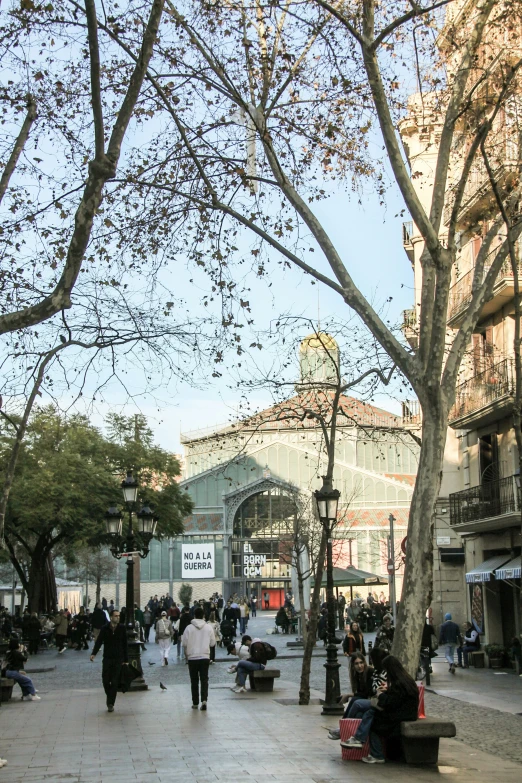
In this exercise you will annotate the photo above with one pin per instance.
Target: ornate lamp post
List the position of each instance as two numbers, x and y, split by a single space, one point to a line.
134 544
327 499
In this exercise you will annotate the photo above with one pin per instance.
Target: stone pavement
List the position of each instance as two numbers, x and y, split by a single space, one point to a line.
155 737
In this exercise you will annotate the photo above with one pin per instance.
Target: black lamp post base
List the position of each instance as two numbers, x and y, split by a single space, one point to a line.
134 648
333 687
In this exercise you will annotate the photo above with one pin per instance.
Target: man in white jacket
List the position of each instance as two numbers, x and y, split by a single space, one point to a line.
198 638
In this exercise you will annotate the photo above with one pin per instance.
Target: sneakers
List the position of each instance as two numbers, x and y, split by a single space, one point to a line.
194 706
353 742
232 670
334 734
372 760
241 689
31 697
203 707
61 651
3 762
110 707
166 661
452 668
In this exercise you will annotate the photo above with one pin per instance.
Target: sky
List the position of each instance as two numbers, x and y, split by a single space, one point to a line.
369 238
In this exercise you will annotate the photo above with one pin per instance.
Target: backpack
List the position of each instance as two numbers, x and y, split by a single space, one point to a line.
270 651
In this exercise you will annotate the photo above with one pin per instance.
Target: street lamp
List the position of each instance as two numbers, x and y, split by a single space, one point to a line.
132 544
327 499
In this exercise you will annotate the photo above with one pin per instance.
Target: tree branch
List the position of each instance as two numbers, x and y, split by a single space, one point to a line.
94 52
18 146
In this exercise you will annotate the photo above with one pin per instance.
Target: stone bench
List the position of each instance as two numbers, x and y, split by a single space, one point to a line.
420 739
263 679
6 688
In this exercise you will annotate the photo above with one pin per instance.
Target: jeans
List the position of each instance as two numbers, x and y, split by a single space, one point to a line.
111 670
146 631
364 731
198 671
244 668
357 708
25 682
243 625
178 645
449 652
463 651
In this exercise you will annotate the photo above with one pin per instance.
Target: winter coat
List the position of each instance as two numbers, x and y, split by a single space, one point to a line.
353 642
392 707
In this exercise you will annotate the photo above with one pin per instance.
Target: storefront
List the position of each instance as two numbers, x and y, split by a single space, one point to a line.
494 595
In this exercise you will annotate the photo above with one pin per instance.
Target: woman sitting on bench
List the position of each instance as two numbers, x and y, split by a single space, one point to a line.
397 702
366 682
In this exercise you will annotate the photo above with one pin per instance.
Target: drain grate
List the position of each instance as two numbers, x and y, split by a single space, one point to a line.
295 702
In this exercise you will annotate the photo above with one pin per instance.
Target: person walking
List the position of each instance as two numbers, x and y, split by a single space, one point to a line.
253 605
198 638
164 633
184 621
266 598
449 636
113 637
61 625
243 616
147 623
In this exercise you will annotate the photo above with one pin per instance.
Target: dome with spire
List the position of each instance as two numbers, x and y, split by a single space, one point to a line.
319 359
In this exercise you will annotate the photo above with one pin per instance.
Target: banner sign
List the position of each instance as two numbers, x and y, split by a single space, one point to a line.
252 564
198 561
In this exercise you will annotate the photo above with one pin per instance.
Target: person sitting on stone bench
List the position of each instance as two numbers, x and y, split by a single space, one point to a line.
366 682
282 620
398 701
14 663
257 661
471 644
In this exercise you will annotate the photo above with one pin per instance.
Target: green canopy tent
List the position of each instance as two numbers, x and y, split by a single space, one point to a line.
353 577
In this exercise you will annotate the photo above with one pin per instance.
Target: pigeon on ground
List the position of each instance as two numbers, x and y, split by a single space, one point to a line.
163 688
151 663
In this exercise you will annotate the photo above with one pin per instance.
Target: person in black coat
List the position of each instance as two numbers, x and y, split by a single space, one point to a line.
15 660
32 633
113 637
397 702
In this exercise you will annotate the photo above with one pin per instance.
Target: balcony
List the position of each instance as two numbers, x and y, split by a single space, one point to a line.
461 293
411 413
478 195
410 327
484 398
491 506
407 233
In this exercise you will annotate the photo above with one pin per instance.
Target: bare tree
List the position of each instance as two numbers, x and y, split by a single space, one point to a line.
34 292
282 91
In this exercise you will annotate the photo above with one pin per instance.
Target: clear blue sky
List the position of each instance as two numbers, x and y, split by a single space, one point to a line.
369 239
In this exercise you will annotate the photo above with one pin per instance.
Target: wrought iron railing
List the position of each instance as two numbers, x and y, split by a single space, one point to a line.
494 383
407 232
409 318
490 499
461 292
411 412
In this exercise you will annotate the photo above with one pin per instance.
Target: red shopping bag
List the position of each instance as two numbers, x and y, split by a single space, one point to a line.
348 727
421 713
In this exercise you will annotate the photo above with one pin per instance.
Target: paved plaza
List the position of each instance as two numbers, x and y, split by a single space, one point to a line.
155 736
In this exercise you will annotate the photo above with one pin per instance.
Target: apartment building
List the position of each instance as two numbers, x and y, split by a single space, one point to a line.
477 541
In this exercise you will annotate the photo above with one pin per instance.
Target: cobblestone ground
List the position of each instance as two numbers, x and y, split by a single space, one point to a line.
479 727
484 729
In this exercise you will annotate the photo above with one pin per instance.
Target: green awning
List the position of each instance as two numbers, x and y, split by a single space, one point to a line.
353 577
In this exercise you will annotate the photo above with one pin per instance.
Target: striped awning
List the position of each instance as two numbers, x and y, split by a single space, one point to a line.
484 571
510 570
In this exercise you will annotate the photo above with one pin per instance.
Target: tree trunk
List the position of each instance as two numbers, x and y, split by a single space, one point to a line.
302 610
36 577
418 575
304 688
